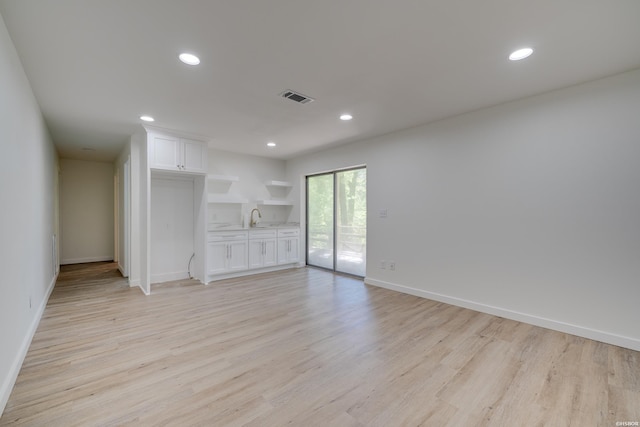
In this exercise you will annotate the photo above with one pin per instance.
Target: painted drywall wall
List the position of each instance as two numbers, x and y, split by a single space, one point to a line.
133 151
252 173
139 146
172 227
123 209
529 210
28 217
86 211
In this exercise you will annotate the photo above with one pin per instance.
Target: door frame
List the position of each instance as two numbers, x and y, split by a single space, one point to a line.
335 212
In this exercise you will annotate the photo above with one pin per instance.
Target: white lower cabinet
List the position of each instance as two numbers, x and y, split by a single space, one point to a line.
227 252
242 251
262 248
288 246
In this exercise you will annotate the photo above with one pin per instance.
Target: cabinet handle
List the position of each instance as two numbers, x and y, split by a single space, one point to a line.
227 251
230 251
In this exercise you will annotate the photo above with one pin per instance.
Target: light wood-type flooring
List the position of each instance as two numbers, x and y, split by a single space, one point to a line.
305 348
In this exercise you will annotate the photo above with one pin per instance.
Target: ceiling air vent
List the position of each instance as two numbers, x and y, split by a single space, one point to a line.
295 96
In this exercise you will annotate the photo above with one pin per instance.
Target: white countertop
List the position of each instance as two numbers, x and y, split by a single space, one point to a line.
261 226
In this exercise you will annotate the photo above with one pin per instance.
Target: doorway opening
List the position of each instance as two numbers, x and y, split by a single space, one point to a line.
337 221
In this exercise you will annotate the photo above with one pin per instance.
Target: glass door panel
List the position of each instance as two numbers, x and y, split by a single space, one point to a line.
351 221
320 231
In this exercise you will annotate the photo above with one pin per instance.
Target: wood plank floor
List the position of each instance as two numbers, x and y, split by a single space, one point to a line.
304 348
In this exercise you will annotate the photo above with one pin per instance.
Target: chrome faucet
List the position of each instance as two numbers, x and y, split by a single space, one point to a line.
253 223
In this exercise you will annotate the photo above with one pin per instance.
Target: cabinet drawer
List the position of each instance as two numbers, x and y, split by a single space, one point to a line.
289 232
262 234
222 236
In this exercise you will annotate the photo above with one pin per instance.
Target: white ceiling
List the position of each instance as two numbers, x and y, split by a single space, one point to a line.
97 65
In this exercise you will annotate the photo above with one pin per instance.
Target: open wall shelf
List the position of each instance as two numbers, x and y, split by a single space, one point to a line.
278 184
274 202
222 178
224 198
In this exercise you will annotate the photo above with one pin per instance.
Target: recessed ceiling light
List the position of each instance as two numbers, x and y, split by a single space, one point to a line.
189 59
147 118
520 54
346 117
271 144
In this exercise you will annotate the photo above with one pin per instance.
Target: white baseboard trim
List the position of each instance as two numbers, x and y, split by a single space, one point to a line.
9 382
136 283
594 334
169 277
85 260
121 270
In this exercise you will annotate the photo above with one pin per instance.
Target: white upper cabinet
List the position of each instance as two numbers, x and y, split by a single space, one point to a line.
194 156
177 154
164 152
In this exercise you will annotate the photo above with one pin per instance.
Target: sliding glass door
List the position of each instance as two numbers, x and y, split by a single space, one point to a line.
320 229
337 221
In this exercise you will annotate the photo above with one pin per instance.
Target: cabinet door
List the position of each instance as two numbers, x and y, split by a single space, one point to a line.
194 156
294 250
269 254
238 256
283 251
164 153
217 257
256 249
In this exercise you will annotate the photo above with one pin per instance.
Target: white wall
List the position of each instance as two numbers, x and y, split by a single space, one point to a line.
172 227
123 201
86 211
253 172
529 210
140 220
135 246
28 217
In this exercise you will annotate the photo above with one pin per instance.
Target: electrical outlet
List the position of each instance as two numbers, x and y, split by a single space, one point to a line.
382 213
383 265
392 265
